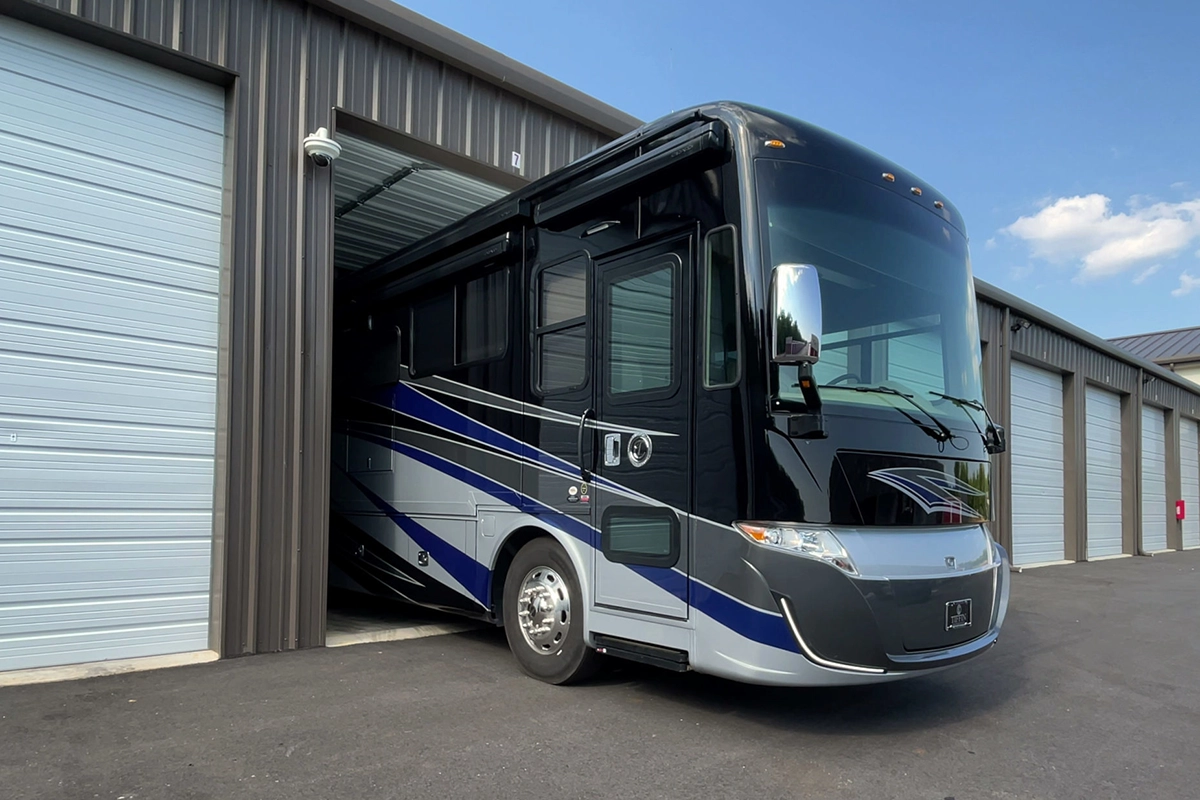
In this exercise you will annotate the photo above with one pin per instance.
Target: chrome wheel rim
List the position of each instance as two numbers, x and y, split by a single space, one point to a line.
544 610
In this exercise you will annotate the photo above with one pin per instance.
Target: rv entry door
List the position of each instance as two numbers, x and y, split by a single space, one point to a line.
642 397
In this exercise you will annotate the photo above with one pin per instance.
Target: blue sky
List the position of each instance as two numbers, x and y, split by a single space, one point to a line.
1067 133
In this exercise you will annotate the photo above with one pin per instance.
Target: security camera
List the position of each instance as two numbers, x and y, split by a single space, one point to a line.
320 148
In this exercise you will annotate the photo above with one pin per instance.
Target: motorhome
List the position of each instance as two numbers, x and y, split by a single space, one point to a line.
707 398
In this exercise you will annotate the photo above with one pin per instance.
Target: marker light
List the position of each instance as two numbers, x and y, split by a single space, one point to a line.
815 543
777 144
889 177
916 190
938 204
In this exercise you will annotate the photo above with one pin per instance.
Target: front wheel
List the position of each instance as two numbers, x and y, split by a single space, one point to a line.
543 617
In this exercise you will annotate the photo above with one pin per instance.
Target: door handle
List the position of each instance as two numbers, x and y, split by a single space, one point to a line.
612 449
584 472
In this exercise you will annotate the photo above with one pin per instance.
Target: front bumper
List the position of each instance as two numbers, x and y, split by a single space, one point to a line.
874 626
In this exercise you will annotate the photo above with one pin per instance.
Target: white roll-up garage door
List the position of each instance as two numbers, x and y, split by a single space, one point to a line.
110 231
1036 442
1103 437
1189 475
1154 480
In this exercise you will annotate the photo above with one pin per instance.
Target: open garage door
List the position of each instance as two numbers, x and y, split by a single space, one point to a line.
110 247
386 199
1154 480
1104 507
1037 465
1189 473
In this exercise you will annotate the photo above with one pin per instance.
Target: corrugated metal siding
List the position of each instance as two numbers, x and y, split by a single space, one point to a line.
111 195
1053 348
296 62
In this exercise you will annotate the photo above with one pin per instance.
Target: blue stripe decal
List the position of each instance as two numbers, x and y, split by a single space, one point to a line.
416 404
760 626
410 401
756 624
464 569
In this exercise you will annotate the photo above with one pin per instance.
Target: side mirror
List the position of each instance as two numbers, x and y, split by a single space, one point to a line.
795 314
996 441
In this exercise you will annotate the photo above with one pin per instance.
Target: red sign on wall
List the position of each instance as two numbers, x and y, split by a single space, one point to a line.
1180 512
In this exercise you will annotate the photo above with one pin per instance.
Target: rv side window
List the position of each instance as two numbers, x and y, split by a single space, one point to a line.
637 535
721 326
641 330
482 318
561 330
431 345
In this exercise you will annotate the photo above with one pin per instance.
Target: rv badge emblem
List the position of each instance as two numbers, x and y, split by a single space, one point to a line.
640 448
958 614
951 562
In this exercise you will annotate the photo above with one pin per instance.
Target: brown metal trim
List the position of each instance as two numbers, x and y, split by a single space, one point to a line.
1004 461
349 122
84 30
1074 467
1133 482
423 34
1174 480
221 472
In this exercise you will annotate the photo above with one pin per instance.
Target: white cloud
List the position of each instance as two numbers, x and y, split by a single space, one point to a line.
1085 229
1179 185
990 243
1186 283
1146 273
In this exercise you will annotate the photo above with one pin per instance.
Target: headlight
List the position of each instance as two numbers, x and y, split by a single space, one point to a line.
815 543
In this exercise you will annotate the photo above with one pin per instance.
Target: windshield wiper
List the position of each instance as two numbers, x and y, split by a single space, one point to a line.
941 434
994 439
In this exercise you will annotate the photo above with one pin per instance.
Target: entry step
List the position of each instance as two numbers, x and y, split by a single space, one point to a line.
666 657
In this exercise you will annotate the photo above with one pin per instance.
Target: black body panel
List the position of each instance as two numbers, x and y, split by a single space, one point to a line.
744 465
868 622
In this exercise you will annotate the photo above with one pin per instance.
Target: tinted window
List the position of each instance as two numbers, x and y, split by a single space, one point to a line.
897 298
641 352
561 331
721 321
563 357
482 316
647 536
432 341
564 292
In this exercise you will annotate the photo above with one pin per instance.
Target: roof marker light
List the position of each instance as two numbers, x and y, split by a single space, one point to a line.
938 204
916 190
889 177
776 143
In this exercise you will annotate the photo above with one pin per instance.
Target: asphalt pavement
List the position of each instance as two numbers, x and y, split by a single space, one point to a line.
1092 693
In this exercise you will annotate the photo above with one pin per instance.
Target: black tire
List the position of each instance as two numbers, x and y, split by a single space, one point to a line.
563 660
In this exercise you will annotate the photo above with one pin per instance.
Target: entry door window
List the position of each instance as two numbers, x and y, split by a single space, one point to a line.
641 330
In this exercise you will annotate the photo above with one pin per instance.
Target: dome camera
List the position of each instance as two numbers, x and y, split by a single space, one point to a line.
320 148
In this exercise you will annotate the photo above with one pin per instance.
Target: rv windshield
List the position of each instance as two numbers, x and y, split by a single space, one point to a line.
897 298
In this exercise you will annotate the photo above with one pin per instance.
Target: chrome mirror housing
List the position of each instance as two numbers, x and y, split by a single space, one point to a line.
795 314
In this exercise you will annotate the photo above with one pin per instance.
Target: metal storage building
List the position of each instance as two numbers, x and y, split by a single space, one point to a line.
1101 443
166 262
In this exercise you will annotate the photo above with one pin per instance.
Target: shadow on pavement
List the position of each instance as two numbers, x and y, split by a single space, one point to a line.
969 690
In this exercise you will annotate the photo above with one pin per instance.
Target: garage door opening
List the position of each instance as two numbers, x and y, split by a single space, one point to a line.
386 199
